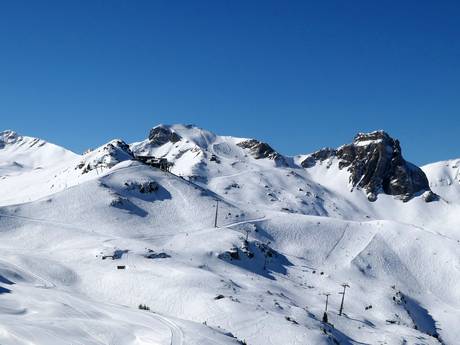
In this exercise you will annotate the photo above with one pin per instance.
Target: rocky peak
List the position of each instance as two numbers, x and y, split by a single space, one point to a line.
260 150
318 156
106 156
376 164
117 148
162 134
8 137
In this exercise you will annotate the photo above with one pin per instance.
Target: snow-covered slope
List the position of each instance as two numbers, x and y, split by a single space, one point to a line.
30 153
87 239
28 167
444 179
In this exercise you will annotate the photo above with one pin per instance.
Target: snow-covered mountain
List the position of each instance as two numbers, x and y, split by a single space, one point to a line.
444 179
87 239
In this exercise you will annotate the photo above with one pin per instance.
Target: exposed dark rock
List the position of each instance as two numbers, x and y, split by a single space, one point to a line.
152 255
106 156
161 135
234 254
375 163
8 137
144 187
260 150
198 178
266 249
233 185
118 201
290 319
429 196
125 204
214 158
116 255
246 250
257 257
116 145
320 155
143 307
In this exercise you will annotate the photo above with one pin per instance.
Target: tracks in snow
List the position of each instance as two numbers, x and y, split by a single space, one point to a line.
336 243
46 284
255 220
48 222
177 336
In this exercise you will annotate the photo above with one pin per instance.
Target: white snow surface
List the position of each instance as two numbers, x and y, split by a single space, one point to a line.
83 244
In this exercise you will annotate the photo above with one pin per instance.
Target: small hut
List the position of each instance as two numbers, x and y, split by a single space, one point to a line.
159 163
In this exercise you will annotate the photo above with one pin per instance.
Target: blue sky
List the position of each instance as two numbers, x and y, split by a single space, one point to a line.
300 75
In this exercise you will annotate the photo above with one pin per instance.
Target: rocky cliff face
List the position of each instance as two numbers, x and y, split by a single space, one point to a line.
375 163
260 150
160 135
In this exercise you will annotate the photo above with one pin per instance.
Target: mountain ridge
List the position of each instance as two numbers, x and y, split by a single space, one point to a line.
193 150
300 156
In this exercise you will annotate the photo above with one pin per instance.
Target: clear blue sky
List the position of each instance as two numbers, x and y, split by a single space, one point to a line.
300 75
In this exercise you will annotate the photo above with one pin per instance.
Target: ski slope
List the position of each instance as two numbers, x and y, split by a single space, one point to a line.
85 239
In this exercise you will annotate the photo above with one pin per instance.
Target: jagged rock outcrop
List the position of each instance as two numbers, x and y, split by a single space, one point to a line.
375 163
320 155
261 150
161 135
20 143
10 137
7 137
106 156
144 187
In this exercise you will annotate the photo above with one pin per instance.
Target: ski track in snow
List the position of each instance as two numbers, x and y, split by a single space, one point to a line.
255 220
177 336
46 283
49 222
336 243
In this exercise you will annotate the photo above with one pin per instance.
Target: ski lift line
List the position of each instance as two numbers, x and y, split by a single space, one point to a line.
327 301
345 286
217 213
